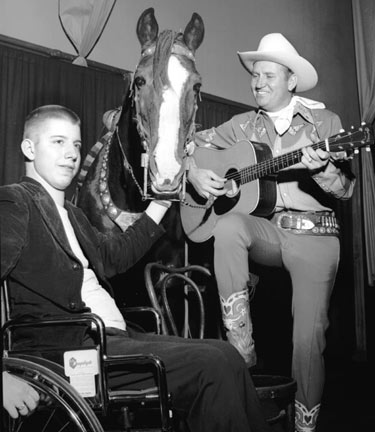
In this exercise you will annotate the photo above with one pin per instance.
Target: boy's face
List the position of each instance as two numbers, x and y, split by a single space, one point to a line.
57 152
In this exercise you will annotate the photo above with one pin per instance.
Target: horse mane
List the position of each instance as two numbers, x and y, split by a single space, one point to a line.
162 53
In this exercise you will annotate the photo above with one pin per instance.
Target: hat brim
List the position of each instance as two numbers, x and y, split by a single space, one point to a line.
307 76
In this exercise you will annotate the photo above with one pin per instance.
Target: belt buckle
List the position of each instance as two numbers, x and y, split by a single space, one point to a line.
305 223
296 222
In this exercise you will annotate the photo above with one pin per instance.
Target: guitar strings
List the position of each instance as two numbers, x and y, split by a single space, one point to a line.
273 165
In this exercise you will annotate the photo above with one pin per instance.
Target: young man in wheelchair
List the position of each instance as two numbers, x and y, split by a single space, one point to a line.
57 264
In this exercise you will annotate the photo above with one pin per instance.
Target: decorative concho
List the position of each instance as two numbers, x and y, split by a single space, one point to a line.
111 209
120 217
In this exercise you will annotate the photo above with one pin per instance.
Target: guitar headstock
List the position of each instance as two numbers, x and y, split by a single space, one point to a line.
347 143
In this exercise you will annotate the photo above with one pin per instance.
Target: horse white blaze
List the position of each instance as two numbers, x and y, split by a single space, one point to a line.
169 123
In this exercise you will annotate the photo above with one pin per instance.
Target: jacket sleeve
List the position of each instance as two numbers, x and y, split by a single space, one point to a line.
123 251
119 252
336 179
14 216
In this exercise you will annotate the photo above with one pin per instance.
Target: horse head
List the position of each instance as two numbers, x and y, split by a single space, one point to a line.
166 86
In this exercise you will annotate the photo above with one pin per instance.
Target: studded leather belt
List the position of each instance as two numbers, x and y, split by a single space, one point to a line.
310 223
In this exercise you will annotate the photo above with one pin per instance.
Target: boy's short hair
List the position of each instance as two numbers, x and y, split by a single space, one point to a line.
46 112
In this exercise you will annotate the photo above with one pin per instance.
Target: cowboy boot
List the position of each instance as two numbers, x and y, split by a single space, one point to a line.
305 420
237 322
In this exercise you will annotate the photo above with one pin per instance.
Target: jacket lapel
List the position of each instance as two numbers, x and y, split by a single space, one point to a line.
48 210
79 223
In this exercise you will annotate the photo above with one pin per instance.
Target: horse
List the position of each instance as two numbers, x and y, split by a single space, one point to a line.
154 125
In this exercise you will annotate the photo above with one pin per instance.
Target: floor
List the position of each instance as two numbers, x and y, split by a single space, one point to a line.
348 403
349 399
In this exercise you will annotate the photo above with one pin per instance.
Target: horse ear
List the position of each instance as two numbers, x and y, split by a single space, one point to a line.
194 32
147 27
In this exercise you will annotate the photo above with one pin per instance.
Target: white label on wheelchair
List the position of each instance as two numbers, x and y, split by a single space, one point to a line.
81 366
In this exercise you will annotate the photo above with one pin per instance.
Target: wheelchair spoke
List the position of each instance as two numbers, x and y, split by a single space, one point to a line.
48 421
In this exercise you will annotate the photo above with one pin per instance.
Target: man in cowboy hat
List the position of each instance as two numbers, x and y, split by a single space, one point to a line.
300 233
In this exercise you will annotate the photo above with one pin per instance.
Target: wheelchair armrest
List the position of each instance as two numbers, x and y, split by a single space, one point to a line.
85 318
134 315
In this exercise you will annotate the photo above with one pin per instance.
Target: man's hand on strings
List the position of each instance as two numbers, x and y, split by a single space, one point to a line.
314 160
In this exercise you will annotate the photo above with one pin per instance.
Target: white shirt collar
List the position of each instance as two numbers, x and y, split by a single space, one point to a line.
282 119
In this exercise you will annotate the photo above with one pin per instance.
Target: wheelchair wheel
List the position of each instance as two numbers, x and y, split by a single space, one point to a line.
61 408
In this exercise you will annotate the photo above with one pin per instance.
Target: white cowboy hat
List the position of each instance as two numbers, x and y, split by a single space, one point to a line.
276 48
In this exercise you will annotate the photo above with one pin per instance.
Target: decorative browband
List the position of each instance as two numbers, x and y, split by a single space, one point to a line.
176 49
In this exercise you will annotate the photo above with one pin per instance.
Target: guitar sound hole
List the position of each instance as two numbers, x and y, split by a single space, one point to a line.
225 203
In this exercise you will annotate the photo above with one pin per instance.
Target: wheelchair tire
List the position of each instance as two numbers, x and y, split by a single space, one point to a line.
61 407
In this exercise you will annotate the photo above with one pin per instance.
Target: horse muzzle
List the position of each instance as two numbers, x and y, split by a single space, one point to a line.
167 192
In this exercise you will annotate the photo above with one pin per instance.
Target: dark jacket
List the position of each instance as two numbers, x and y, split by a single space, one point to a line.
44 276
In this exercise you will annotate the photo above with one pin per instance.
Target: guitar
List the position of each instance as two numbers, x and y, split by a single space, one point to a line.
256 182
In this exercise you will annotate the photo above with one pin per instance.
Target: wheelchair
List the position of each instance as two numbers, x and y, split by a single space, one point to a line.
87 403
61 406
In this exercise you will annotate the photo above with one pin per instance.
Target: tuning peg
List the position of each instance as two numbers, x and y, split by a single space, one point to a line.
356 151
342 130
351 127
367 148
363 123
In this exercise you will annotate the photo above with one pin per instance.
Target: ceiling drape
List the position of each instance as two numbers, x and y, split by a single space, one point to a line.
83 22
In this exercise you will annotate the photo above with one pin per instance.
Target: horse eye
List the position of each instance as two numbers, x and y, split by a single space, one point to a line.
197 87
139 82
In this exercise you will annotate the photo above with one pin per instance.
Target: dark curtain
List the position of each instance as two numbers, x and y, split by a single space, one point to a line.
30 79
212 111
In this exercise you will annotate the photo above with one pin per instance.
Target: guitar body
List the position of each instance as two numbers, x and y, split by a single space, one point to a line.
255 197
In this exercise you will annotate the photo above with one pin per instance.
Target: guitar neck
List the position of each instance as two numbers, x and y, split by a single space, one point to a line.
274 165
341 142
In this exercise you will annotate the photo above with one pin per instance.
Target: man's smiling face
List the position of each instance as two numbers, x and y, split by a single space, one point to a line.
271 84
